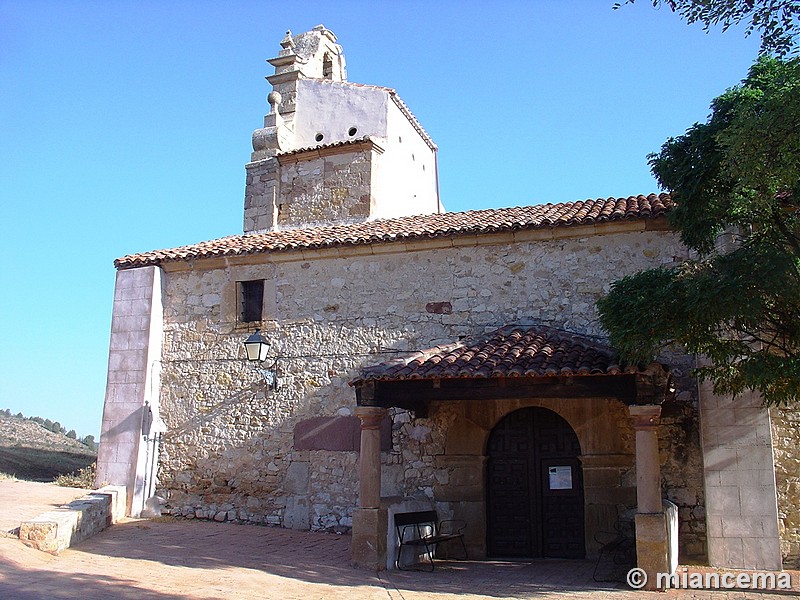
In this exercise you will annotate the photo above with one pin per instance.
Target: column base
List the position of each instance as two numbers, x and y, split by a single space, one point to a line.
368 545
652 547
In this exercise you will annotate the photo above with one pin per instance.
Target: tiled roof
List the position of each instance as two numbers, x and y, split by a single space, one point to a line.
322 147
514 351
473 222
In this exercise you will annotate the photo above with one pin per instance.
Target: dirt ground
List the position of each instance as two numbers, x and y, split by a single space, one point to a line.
180 560
22 500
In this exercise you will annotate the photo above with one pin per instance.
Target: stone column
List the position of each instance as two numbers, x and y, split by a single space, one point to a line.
652 543
648 469
370 523
369 459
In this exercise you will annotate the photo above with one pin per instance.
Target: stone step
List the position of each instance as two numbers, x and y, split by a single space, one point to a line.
76 521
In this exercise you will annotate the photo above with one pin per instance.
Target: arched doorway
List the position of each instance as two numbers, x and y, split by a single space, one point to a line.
534 487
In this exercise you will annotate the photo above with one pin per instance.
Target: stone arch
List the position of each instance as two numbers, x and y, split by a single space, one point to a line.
606 439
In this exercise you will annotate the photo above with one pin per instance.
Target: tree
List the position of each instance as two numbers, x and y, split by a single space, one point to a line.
740 306
777 21
89 442
72 434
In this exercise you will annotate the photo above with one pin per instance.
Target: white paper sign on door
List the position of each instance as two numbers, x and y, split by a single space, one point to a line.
560 478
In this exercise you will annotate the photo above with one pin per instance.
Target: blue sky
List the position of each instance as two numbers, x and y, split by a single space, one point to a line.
125 127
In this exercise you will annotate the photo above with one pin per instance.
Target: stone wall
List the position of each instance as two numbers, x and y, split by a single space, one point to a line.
785 425
682 460
71 523
229 451
260 195
332 187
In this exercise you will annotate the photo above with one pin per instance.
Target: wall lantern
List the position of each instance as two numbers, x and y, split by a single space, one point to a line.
256 346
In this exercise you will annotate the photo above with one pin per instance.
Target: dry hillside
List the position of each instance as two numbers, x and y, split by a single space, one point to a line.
29 451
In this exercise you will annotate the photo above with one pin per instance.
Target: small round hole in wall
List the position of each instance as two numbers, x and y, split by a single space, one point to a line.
352 131
319 137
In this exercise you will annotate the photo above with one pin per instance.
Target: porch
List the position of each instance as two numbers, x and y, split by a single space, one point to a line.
600 455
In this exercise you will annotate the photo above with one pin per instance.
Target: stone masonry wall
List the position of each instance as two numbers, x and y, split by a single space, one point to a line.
260 195
785 425
331 188
682 460
229 454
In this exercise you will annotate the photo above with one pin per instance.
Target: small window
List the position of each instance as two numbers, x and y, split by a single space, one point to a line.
319 137
352 131
327 67
251 295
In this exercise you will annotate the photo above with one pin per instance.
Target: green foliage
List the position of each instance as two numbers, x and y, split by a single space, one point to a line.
739 172
82 478
89 442
777 21
72 434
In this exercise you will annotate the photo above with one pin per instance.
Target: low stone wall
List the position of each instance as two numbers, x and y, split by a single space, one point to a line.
63 527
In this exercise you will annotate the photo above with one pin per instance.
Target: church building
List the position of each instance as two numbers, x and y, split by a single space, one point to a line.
424 360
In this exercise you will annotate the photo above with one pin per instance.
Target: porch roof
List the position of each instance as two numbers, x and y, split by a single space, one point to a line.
513 361
513 351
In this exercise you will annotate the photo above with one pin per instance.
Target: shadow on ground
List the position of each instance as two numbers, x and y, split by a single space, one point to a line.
324 560
21 583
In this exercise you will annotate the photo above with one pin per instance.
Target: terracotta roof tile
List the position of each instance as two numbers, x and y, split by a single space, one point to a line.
493 220
320 147
514 351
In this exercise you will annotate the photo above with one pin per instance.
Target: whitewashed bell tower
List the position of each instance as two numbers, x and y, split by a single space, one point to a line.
332 151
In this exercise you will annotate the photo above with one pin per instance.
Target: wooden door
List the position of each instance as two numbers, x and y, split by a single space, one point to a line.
535 487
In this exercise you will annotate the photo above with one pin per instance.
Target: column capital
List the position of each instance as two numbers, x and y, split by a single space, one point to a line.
645 416
371 416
